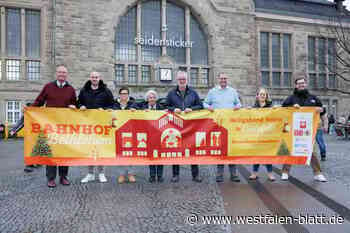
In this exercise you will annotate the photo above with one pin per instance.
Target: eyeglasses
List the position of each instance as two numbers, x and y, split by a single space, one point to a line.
123 93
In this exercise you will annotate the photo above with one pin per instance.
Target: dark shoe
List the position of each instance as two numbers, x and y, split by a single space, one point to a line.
175 179
28 169
160 179
51 184
323 158
235 178
197 179
64 181
219 178
152 179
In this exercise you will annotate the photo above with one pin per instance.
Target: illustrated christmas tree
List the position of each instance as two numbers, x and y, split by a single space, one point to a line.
42 147
283 149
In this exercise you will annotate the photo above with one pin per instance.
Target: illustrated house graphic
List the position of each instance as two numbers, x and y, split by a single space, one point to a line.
171 136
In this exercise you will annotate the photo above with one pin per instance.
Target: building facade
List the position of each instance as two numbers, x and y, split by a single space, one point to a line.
142 43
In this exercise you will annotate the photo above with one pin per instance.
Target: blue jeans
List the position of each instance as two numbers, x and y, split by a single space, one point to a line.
268 167
320 142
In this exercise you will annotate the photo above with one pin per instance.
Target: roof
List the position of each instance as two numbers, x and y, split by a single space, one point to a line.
316 9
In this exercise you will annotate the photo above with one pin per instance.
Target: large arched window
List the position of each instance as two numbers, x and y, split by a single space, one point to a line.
155 31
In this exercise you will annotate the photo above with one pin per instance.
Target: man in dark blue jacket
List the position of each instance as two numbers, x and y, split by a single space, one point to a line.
184 99
95 95
302 98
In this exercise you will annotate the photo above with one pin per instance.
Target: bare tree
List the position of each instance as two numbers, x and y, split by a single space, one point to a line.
339 28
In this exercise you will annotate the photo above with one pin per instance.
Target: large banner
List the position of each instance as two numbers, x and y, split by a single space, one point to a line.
59 136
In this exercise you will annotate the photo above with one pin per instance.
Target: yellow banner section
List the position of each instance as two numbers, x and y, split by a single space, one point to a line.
59 136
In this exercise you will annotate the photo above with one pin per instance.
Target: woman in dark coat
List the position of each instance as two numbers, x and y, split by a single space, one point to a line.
262 101
151 104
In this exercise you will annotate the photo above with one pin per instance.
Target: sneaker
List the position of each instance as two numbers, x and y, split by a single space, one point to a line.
320 178
89 177
131 178
323 158
219 178
284 176
102 178
64 181
121 179
51 184
175 179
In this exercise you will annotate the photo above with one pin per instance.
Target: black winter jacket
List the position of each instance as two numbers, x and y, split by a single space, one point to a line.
191 100
304 99
102 97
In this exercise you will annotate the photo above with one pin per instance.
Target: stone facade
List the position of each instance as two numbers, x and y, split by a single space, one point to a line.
81 35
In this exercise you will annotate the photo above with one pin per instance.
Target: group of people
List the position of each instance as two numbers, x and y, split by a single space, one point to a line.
181 99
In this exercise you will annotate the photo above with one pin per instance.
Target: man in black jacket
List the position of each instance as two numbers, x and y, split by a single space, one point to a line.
95 95
302 98
184 99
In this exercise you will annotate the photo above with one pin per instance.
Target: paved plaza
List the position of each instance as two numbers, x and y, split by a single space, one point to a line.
27 205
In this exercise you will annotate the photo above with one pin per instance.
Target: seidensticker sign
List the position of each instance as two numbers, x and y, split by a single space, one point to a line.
151 41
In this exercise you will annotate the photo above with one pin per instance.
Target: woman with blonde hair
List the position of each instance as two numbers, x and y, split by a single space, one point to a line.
262 101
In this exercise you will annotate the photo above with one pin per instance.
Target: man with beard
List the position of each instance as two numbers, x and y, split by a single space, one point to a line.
95 95
302 98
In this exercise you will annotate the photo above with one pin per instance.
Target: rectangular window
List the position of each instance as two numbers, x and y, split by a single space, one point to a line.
119 73
13 32
276 79
321 81
332 81
312 80
265 79
33 70
132 73
264 50
276 51
146 74
287 79
275 47
13 111
33 33
321 62
286 51
22 50
204 78
311 53
321 54
13 69
194 76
